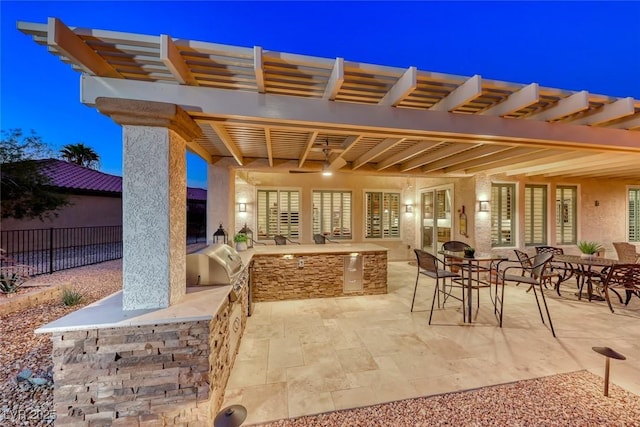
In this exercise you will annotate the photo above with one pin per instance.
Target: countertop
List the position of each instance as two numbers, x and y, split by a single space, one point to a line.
329 248
199 303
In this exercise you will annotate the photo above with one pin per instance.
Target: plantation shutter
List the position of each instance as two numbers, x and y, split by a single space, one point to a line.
278 213
503 214
535 215
566 215
634 215
332 214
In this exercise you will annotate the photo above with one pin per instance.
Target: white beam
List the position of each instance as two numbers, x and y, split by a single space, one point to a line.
228 142
433 156
401 89
508 163
510 153
579 101
466 92
236 104
310 141
335 80
196 148
630 123
621 108
258 67
381 147
527 166
267 139
61 38
400 157
475 153
170 56
516 101
349 142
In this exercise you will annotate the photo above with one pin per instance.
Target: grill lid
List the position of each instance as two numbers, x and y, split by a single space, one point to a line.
217 264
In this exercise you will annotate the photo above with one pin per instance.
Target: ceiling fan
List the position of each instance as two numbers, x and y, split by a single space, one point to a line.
326 170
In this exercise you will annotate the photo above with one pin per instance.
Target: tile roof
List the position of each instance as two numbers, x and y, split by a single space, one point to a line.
75 177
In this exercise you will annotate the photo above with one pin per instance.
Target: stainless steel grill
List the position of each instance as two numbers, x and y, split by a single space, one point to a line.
217 264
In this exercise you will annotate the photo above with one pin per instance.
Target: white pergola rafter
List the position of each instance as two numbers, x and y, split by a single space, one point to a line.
508 164
335 80
476 153
170 56
376 151
64 40
632 123
529 167
402 88
307 148
435 155
227 140
511 153
620 108
406 154
570 105
516 101
267 140
258 67
463 94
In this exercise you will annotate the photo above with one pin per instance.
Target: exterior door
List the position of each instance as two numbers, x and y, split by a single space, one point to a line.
436 218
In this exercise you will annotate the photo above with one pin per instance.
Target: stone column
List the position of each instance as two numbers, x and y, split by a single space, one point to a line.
482 220
153 199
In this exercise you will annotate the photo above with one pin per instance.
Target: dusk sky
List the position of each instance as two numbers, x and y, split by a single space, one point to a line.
593 46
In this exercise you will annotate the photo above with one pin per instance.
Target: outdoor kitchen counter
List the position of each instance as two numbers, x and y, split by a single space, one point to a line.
287 272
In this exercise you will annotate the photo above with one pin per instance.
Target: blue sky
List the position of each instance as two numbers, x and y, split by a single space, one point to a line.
592 46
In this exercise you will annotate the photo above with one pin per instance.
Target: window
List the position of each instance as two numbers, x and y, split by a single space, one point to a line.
332 214
503 214
634 215
535 215
383 215
566 204
278 213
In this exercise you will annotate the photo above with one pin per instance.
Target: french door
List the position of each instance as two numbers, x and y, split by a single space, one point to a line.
436 218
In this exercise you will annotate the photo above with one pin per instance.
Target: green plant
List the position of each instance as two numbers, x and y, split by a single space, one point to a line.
10 281
71 297
589 248
240 238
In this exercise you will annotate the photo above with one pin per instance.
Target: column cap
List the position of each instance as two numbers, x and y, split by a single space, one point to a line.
149 113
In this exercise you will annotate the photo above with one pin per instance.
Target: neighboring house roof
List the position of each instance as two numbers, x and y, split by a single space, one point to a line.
72 177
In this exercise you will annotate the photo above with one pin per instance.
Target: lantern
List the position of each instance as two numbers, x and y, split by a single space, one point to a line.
247 231
220 236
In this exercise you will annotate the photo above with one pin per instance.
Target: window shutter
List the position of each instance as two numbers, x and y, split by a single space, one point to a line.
566 204
535 211
634 215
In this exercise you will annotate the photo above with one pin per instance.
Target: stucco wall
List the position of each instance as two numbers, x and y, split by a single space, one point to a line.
605 223
85 211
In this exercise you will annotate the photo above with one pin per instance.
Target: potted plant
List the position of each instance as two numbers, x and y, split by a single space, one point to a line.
589 249
241 241
469 252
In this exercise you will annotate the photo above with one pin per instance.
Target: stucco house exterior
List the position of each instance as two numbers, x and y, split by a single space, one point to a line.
416 157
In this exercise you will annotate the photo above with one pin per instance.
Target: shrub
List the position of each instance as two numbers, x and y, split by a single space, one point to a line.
12 274
71 297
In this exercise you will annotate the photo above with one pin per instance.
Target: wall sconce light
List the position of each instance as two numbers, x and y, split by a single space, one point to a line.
483 206
242 207
408 208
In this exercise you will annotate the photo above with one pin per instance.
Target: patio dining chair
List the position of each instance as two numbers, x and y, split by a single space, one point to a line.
433 267
282 240
622 277
561 270
626 253
535 269
321 239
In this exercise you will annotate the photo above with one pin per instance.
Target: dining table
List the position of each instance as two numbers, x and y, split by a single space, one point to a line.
471 264
584 266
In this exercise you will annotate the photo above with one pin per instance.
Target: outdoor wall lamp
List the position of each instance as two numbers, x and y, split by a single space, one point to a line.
408 208
483 206
242 207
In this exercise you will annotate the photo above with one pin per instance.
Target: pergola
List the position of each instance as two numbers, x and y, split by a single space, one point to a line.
275 110
255 109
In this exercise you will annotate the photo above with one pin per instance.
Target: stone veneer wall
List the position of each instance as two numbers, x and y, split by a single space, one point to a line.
277 278
151 375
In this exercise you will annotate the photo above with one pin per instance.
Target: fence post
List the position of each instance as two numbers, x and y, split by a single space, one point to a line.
51 250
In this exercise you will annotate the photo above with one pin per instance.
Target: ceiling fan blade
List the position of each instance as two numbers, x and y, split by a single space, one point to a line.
294 171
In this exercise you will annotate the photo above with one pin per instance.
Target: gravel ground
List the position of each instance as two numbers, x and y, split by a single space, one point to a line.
573 399
23 349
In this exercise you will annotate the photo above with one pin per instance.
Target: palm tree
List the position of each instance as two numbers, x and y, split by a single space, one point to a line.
80 154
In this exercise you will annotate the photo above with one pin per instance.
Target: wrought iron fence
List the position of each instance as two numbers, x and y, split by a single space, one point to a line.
52 249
